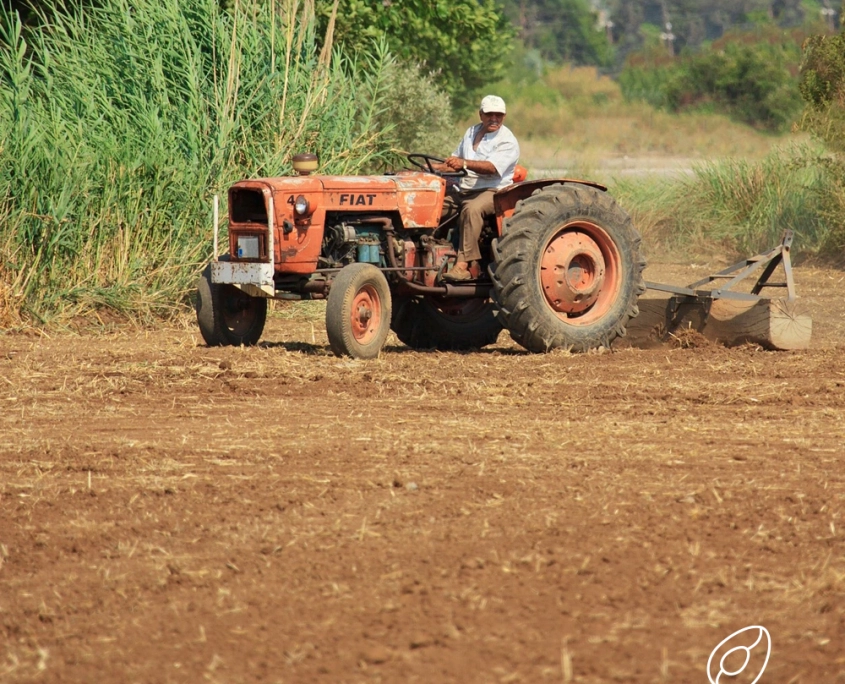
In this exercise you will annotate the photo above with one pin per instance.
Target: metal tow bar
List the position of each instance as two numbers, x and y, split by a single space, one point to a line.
768 262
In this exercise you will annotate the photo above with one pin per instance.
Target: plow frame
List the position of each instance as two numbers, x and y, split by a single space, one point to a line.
736 273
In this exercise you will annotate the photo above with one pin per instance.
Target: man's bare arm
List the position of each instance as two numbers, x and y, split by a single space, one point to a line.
482 168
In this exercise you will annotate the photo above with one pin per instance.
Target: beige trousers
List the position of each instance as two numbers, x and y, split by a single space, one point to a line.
473 206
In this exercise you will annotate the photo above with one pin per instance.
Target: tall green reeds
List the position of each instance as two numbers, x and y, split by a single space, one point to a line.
118 123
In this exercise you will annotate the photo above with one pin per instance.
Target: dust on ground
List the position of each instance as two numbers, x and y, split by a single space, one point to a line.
174 513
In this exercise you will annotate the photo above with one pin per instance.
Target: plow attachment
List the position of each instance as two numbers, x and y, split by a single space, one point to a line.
729 307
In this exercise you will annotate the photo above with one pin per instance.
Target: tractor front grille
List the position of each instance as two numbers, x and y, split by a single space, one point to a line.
246 205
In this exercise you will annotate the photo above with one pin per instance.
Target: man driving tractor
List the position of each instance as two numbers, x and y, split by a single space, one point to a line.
563 258
488 153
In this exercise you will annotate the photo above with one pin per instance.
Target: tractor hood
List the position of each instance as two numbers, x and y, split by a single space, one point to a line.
417 197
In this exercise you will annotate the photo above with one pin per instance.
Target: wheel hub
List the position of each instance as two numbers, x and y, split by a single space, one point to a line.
572 272
366 314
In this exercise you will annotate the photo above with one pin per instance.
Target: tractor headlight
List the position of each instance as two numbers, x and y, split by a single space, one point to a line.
301 206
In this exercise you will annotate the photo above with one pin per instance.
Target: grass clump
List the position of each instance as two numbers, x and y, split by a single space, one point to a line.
118 123
737 208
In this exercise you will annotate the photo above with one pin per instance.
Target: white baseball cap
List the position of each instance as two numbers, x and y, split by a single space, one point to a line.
493 103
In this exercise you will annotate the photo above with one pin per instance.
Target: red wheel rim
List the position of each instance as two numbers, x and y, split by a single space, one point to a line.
580 273
365 316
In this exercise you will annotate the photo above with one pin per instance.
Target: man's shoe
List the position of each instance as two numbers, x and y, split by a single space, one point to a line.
458 273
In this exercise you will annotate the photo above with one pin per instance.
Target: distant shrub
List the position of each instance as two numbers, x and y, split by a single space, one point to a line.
645 84
750 82
751 78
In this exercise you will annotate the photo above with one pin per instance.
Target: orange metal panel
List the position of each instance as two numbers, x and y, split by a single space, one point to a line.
505 199
298 241
416 197
420 199
248 227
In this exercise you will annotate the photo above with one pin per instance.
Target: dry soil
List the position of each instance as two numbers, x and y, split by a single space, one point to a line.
174 513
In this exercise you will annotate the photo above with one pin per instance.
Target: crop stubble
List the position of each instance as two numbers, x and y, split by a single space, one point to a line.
170 512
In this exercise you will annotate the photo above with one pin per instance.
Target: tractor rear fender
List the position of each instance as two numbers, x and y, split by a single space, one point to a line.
506 199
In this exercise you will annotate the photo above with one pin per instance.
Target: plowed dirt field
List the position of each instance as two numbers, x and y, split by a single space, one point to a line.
174 513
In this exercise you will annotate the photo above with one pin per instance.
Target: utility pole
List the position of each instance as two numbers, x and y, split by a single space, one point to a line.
829 14
667 36
668 39
606 24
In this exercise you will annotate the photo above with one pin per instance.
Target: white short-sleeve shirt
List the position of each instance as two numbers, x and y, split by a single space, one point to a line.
500 148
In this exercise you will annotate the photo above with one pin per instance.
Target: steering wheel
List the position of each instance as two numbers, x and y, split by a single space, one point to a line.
426 161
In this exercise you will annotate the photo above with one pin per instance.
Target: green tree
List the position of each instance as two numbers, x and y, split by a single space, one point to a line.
748 76
697 21
463 43
561 30
823 89
750 81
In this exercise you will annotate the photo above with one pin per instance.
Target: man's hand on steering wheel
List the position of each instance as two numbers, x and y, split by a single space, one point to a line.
455 163
454 166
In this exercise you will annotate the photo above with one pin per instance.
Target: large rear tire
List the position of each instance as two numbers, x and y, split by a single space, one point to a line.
568 270
445 324
226 315
358 312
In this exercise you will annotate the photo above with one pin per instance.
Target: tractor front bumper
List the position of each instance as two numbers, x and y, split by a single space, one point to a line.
255 279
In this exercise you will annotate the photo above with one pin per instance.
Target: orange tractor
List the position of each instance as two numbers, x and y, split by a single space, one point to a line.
561 262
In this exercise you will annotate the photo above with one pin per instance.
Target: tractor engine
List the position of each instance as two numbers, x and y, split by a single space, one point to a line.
345 243
436 254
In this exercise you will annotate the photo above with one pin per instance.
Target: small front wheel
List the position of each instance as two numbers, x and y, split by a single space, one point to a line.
226 315
358 312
